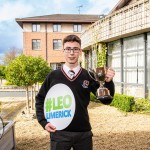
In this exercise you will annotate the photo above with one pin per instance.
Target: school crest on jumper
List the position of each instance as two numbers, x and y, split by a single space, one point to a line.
85 83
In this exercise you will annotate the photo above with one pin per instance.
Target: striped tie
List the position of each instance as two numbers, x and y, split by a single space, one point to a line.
71 73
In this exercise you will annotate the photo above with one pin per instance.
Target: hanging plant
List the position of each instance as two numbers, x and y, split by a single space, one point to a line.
101 55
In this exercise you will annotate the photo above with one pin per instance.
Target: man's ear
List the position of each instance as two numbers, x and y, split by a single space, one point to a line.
80 51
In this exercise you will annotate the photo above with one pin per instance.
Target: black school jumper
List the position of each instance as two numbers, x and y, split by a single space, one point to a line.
81 85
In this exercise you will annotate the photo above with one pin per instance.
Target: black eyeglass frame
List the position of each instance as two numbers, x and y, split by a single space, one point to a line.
74 49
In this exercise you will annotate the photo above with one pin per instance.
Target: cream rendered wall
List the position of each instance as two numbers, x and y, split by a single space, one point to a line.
27 27
42 27
49 27
85 26
64 27
67 28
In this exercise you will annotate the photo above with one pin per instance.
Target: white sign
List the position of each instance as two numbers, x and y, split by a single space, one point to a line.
59 106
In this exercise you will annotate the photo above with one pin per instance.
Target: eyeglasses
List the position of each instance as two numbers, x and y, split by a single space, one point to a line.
74 49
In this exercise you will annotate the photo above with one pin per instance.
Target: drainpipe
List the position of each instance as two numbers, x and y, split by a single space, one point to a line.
145 65
122 85
46 42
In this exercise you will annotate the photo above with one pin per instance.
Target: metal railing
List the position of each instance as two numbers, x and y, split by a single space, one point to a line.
132 18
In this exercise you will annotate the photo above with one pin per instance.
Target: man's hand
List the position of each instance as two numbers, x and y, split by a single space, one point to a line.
50 128
110 73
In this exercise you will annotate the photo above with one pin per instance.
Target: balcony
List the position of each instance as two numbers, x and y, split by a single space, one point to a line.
127 21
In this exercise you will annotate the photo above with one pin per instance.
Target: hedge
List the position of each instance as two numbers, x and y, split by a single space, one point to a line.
123 102
142 105
127 103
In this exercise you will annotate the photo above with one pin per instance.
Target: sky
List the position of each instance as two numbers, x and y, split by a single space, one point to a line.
11 34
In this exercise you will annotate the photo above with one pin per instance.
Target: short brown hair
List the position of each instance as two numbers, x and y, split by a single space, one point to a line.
72 38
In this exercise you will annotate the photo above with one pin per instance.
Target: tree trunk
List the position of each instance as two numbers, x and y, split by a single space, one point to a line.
37 86
34 93
32 102
27 100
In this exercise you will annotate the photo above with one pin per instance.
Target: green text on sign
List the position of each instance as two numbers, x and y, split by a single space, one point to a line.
61 102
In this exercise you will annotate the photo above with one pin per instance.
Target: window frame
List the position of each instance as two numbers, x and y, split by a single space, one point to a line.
36 27
57 27
37 46
56 65
76 28
57 47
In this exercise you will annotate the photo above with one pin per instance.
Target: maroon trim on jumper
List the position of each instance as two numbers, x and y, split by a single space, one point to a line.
69 77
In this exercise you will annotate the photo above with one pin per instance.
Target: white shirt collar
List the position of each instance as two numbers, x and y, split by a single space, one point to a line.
66 70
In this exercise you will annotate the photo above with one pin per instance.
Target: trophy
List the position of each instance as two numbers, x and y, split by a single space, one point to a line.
103 93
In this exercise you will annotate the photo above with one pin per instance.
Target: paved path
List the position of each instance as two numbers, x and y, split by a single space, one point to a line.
12 93
11 106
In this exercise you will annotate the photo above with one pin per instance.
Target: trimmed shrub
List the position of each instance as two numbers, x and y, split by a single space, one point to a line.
127 103
93 98
141 105
123 102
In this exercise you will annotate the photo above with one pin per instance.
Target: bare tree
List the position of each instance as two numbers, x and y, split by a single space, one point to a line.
11 55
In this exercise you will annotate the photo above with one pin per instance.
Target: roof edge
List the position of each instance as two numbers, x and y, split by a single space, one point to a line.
120 4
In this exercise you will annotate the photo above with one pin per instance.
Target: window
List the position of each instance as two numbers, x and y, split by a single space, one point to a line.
148 60
114 58
77 28
57 44
36 27
56 28
36 44
133 61
55 66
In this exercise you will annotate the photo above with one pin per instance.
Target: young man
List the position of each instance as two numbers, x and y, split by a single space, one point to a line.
77 133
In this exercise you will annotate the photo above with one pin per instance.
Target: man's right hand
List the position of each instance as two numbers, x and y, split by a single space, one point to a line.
50 128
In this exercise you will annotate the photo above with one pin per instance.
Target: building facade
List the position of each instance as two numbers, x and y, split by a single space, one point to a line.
43 35
126 31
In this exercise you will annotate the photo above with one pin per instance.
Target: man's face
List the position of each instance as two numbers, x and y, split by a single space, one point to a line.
72 51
